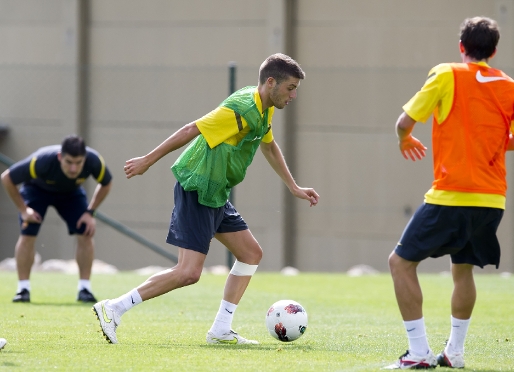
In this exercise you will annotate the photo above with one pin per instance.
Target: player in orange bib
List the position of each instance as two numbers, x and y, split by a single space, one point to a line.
472 105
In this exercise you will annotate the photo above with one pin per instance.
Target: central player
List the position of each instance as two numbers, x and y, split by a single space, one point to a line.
225 143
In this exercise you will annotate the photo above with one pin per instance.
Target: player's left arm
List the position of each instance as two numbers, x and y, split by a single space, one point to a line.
88 217
104 178
275 158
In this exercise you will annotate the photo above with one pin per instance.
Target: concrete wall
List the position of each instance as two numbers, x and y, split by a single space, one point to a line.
151 67
364 60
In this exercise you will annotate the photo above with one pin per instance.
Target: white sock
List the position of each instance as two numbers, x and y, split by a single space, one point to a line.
84 284
23 284
223 321
126 302
418 343
458 333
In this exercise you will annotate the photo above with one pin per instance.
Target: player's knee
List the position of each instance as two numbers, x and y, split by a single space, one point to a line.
393 260
190 277
84 237
252 257
258 256
26 243
398 265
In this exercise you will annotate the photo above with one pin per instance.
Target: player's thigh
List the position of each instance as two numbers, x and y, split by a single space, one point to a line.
483 247
190 261
71 207
37 199
243 245
434 231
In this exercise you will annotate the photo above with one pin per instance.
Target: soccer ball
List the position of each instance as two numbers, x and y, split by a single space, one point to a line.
286 320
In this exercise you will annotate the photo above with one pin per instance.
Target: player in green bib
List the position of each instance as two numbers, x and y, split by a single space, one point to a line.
223 145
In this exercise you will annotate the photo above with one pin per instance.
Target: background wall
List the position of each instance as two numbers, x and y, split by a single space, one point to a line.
126 74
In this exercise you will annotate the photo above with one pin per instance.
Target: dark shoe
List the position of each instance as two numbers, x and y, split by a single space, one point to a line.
86 296
23 296
450 360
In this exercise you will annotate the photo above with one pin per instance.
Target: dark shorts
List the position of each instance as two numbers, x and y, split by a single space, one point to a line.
468 234
70 206
193 225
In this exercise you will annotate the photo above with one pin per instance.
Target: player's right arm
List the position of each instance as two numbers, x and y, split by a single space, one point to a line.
27 213
436 92
410 146
139 165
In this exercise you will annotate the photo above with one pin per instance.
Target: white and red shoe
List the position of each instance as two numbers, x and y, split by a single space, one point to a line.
411 361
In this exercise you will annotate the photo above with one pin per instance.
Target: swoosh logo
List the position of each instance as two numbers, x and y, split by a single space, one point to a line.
104 313
132 300
230 342
487 79
412 329
230 312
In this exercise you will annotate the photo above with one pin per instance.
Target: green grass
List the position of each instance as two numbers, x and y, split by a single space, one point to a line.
354 325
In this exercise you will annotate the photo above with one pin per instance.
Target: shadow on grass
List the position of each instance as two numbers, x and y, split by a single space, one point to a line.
8 364
270 347
470 369
75 304
7 354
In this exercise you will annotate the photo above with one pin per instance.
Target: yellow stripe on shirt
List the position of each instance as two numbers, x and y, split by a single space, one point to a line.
32 167
464 199
102 171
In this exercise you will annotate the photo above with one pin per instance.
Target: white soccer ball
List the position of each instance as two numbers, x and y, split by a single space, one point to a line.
286 320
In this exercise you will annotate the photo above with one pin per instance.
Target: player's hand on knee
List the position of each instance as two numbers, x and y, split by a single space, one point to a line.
89 221
30 216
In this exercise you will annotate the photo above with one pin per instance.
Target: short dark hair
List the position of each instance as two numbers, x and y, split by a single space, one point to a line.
280 67
479 36
73 145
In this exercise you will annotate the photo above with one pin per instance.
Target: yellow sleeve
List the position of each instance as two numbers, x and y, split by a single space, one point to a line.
435 97
222 125
268 137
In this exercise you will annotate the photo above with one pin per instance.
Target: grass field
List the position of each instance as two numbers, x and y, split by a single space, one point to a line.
354 325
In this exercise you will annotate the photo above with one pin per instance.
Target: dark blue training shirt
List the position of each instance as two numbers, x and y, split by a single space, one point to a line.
43 169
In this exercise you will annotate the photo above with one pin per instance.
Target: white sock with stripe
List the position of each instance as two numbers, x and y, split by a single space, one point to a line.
126 302
458 334
418 343
223 321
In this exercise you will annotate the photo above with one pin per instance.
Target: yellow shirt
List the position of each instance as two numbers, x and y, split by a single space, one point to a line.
436 98
222 125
